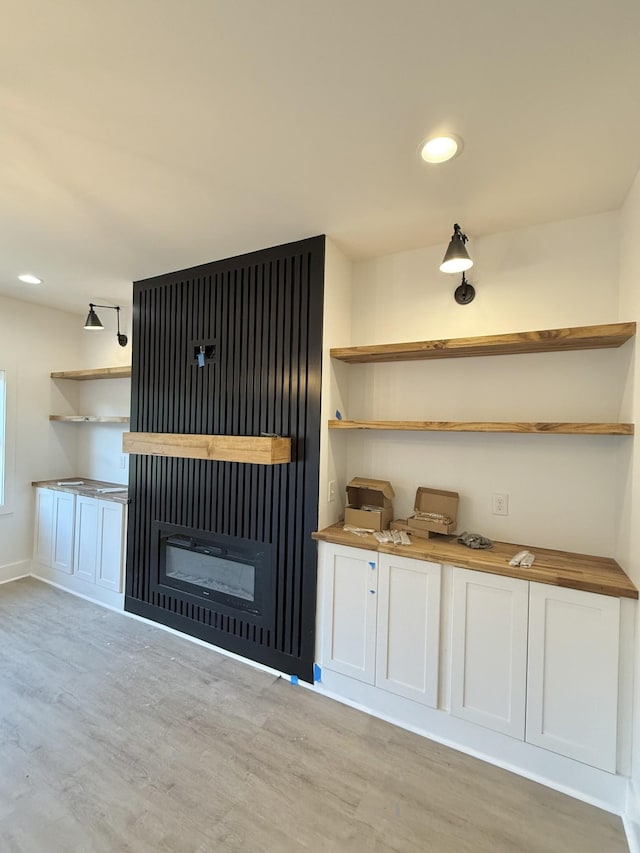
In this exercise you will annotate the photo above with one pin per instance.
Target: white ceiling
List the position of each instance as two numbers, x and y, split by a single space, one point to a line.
142 136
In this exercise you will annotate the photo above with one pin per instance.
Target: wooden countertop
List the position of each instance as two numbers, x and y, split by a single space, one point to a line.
89 488
558 568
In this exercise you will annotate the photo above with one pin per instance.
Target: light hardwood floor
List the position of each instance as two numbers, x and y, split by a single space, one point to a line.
117 737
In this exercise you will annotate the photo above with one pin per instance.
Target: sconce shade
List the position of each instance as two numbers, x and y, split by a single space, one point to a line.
456 257
93 321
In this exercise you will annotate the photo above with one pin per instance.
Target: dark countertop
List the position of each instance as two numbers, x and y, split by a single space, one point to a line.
89 488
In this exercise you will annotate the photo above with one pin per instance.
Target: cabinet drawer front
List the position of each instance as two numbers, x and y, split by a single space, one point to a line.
408 628
572 703
489 650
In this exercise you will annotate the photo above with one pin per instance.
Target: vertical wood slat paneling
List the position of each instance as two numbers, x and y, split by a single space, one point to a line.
264 312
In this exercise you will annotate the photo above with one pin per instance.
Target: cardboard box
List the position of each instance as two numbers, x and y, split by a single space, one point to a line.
414 533
436 501
377 494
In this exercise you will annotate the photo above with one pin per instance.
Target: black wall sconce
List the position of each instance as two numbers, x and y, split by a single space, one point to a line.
456 259
93 321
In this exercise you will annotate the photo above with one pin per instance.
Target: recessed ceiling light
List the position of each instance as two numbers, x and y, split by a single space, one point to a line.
439 149
30 279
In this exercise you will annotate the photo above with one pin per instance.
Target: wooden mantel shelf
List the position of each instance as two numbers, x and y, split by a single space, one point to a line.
521 427
122 372
257 450
516 343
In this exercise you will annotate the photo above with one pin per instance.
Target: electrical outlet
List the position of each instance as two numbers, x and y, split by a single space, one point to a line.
499 504
332 491
123 460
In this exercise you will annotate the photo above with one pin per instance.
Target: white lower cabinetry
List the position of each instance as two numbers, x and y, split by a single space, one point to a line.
572 701
382 620
531 665
489 650
81 537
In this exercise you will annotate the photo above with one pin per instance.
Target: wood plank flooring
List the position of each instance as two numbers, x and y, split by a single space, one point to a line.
117 737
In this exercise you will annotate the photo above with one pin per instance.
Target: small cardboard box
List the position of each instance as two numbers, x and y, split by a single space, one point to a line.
436 501
376 494
414 533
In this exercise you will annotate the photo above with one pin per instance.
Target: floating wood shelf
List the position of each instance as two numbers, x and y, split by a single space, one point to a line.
516 343
258 450
91 419
122 372
488 426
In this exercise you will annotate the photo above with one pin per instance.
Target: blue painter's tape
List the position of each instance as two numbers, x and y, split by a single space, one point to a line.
373 566
317 673
338 415
294 679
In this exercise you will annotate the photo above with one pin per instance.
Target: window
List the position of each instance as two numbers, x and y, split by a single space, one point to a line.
3 432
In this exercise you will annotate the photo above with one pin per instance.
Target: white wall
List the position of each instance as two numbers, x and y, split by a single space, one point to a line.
336 332
33 342
564 491
628 553
100 454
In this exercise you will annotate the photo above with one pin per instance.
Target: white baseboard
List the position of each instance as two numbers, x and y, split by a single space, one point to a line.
77 586
15 571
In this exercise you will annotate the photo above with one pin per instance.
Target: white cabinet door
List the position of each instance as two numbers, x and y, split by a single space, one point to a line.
86 544
408 628
110 545
572 702
43 533
350 582
64 505
489 650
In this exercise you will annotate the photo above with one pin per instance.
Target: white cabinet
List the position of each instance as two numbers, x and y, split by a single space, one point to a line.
408 629
381 622
350 583
86 551
54 529
43 533
99 544
572 702
111 541
532 661
489 650
63 525
83 537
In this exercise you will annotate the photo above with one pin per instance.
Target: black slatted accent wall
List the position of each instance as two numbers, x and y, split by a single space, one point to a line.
263 314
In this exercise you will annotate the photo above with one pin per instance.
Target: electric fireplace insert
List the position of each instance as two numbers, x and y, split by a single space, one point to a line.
230 575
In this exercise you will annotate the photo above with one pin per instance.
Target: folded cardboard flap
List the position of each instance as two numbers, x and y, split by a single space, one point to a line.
438 502
372 494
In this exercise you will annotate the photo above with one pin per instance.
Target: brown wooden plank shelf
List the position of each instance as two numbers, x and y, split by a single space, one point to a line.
521 427
558 568
91 419
516 343
122 372
259 450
